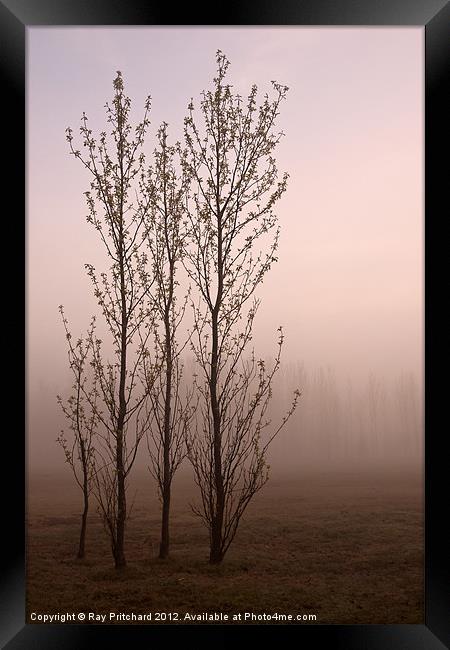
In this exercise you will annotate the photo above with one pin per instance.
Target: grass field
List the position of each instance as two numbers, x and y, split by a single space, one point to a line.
347 548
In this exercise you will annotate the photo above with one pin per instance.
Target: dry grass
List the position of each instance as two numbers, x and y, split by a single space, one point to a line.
347 548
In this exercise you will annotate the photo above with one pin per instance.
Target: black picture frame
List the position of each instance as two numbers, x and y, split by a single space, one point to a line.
15 17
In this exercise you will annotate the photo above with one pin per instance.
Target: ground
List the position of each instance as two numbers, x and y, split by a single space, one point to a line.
346 547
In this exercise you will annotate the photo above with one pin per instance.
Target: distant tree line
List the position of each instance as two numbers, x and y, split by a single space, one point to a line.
343 422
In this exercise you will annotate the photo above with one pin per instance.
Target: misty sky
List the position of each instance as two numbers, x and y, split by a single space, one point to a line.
348 287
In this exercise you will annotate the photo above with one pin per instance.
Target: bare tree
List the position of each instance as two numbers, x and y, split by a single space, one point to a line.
114 161
170 412
81 414
234 190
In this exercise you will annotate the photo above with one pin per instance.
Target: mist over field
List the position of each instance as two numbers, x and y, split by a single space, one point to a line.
348 285
343 506
338 425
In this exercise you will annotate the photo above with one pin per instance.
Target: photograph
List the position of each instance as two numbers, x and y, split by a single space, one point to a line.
225 325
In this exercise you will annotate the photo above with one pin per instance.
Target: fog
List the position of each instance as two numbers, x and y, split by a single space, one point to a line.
348 286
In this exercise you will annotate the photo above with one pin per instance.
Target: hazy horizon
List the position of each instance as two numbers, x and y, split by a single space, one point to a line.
348 286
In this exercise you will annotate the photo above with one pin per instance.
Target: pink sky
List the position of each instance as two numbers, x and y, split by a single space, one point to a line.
348 287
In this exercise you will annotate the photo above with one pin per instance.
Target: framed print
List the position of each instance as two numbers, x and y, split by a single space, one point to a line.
233 415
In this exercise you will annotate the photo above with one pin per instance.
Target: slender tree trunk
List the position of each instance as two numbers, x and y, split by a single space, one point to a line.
217 520
84 463
216 554
81 547
165 538
121 495
164 546
119 557
216 551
